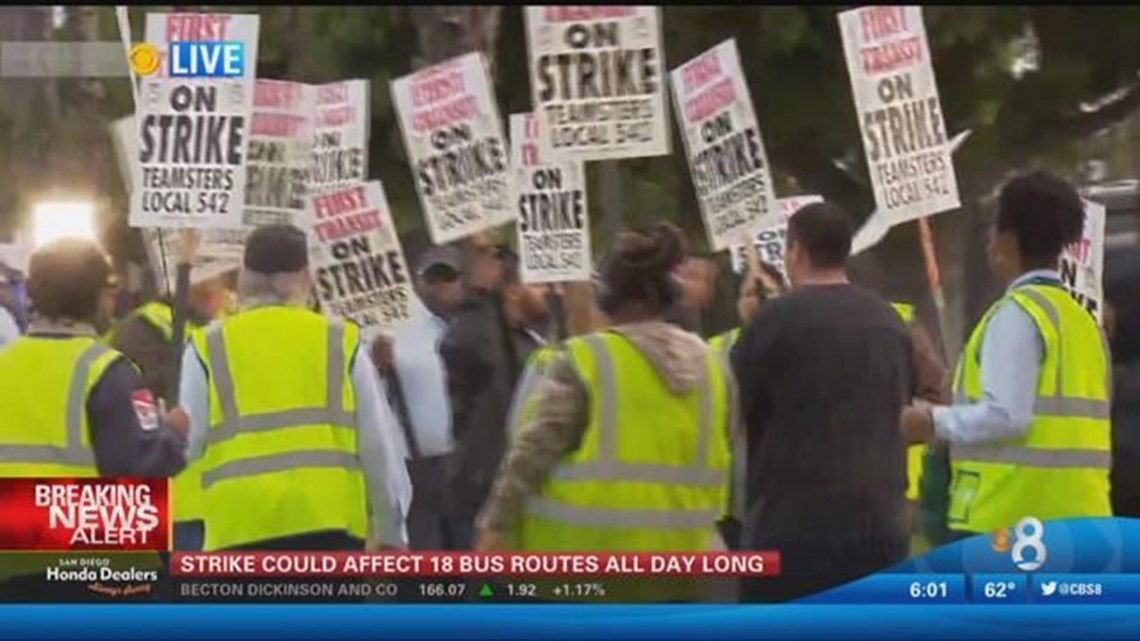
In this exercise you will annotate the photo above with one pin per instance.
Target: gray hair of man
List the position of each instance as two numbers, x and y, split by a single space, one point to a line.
285 288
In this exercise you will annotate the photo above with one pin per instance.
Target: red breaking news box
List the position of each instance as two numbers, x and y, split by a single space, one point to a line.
84 514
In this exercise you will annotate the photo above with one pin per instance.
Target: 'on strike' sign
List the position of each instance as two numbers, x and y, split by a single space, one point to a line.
900 116
456 148
722 139
553 218
597 80
194 132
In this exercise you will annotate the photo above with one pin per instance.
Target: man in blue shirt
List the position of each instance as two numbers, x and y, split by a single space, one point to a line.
1038 215
417 386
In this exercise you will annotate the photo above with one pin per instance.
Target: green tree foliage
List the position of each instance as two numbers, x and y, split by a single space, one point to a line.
1085 81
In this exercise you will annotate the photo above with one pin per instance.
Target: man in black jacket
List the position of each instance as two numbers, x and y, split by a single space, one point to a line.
495 329
823 374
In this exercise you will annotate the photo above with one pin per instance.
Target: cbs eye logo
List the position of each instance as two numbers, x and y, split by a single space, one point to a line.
144 59
1026 549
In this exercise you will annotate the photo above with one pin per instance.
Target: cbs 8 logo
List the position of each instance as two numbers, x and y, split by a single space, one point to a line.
1028 535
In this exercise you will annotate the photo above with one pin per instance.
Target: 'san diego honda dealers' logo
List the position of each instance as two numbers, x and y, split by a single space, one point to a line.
101 578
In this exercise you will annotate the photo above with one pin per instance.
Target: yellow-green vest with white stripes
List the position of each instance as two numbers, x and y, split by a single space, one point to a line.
281 453
652 470
1059 469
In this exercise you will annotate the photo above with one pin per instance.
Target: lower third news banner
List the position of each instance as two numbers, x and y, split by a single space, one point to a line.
462 576
81 540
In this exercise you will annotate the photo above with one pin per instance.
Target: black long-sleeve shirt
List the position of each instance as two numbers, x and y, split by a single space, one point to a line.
824 373
122 446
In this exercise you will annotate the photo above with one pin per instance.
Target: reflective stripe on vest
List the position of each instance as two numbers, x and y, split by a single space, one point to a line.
607 467
234 423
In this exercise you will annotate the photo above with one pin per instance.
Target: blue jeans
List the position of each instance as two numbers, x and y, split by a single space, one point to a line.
189 536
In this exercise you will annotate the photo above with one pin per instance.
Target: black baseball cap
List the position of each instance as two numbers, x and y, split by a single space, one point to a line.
276 249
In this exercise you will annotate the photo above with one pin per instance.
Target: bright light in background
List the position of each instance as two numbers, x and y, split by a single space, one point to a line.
54 220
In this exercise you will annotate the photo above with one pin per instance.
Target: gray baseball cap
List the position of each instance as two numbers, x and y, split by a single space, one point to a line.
446 256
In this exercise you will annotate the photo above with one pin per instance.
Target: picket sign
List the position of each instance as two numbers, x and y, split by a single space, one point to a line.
457 152
192 131
356 259
768 244
1082 263
597 80
219 250
725 150
900 116
553 213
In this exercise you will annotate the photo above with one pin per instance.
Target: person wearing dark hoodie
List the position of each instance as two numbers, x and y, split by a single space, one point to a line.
628 446
484 351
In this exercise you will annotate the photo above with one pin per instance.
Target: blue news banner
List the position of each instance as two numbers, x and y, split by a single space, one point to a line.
1067 579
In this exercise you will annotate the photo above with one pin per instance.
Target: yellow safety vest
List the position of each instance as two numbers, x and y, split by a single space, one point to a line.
281 452
44 387
652 471
159 315
915 454
1059 469
722 343
186 487
524 402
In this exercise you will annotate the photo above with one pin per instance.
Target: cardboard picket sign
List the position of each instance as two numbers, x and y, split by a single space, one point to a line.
597 77
900 116
727 161
1082 263
219 250
341 128
280 142
771 241
356 259
553 215
454 139
192 132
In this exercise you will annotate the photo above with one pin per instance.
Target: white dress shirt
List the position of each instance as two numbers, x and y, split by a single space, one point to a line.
423 381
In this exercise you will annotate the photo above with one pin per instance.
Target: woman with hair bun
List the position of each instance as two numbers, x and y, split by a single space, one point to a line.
627 449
